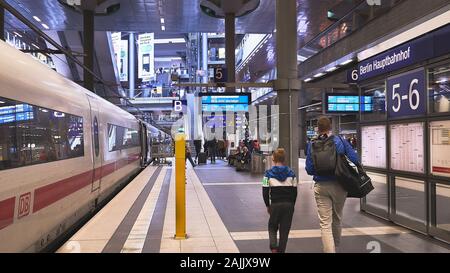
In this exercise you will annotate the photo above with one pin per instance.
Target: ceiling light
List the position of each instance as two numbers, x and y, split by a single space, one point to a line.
1 102
275 30
36 18
308 80
17 34
170 41
34 45
347 62
331 69
45 26
162 20
319 75
163 28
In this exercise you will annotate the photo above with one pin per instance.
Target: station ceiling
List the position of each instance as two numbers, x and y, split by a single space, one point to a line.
180 16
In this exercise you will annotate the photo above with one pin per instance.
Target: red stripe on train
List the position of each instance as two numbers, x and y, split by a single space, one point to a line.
52 193
7 212
49 194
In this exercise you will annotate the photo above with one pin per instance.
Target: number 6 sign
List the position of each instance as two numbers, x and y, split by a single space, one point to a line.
406 94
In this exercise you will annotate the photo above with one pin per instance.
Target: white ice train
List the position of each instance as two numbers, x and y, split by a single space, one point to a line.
63 150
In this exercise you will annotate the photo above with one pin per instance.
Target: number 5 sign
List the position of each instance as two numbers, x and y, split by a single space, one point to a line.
406 94
220 74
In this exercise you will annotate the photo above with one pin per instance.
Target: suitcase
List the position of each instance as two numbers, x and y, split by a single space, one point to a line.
202 158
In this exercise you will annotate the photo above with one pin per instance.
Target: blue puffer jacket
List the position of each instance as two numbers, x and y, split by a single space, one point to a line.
342 147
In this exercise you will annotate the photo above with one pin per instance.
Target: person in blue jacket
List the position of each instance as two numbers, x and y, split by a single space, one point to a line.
279 193
329 194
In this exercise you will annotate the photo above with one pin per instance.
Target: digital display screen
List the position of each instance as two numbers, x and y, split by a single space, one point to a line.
225 99
225 107
348 103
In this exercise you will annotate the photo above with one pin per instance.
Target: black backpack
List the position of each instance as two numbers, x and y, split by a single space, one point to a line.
324 157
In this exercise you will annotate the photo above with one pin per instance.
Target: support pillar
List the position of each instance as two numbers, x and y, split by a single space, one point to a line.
287 84
230 46
2 23
132 65
205 57
88 44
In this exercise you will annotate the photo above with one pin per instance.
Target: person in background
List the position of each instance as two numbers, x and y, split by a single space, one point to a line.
329 194
198 148
188 156
212 148
256 146
279 194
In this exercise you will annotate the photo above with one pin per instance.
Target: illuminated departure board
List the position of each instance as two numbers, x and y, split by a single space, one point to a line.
373 146
407 147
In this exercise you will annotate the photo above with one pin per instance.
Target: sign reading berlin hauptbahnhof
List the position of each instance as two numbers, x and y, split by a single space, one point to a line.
431 45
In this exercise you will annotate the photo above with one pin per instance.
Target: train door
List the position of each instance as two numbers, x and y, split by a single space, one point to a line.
96 151
143 138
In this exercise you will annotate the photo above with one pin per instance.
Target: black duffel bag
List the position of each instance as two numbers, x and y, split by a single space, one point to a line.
355 181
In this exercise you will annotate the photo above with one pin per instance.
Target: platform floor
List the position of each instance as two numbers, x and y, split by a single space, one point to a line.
226 214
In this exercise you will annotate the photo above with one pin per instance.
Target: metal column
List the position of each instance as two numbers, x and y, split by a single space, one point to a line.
205 57
287 84
2 23
230 46
132 66
88 44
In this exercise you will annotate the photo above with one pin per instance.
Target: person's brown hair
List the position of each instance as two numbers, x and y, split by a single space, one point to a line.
279 156
324 125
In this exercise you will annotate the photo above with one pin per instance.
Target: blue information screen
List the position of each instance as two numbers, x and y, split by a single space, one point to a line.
348 103
224 99
225 107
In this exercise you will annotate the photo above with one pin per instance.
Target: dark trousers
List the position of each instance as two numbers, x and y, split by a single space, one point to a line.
212 154
280 219
190 160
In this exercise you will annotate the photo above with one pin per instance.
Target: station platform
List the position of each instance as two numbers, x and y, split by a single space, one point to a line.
226 214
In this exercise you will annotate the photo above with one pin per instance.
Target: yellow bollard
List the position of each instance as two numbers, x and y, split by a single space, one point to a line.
180 189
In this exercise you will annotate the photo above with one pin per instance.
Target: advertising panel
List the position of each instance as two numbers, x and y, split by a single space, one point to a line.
146 56
115 38
123 65
373 149
407 147
440 148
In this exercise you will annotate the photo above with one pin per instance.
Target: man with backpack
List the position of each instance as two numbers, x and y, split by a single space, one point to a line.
329 194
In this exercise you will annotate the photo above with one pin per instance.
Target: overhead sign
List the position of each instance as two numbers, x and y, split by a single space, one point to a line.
146 56
123 65
406 94
179 105
433 44
220 74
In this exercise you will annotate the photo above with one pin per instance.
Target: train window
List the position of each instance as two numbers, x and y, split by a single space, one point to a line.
121 138
31 134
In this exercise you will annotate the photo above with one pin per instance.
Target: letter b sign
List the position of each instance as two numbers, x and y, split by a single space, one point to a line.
177 105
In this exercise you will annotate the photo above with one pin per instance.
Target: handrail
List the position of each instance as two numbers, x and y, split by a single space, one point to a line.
336 24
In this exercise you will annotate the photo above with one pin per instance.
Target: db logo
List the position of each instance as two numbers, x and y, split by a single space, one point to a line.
24 204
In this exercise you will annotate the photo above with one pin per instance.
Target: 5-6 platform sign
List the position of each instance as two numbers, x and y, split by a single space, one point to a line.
406 94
